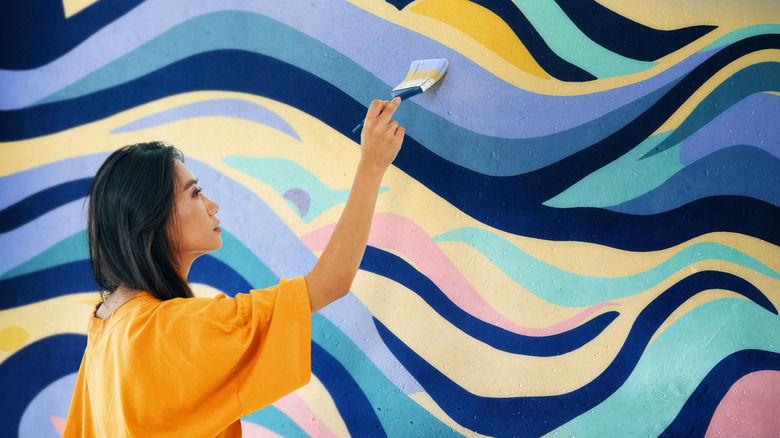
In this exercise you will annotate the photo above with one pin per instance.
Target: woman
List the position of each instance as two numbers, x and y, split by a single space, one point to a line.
159 362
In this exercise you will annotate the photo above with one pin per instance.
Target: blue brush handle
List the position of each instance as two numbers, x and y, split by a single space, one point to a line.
403 94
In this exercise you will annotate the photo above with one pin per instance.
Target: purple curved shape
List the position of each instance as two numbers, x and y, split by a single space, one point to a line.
470 96
300 198
235 108
754 121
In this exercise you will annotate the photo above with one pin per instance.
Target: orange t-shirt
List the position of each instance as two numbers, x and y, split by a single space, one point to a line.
191 367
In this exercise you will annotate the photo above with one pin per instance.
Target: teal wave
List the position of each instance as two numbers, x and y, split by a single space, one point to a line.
399 414
563 288
276 421
757 78
69 249
741 34
636 176
568 41
673 366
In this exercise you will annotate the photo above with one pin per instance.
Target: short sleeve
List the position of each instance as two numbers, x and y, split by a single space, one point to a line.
276 343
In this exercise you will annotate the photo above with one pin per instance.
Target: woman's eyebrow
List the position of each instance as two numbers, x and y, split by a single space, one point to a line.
189 184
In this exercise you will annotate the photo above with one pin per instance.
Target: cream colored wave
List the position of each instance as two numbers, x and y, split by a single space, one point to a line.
488 372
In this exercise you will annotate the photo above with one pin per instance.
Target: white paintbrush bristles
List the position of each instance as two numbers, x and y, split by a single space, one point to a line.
423 73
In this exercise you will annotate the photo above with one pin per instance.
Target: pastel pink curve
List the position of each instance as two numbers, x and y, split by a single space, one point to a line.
252 430
296 408
402 235
58 423
750 408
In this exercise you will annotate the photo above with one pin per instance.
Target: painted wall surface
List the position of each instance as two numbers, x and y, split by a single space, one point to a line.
580 236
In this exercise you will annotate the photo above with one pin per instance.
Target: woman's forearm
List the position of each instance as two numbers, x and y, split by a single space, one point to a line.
332 276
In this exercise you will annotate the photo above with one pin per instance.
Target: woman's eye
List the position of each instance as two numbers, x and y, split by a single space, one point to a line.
197 192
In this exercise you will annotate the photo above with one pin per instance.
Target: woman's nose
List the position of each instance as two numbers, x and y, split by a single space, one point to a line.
213 207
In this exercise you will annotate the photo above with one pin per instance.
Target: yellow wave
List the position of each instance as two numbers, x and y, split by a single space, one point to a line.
484 27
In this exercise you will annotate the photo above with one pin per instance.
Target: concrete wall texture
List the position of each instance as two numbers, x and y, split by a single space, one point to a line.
580 236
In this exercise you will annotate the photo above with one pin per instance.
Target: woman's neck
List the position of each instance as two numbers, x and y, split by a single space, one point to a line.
115 300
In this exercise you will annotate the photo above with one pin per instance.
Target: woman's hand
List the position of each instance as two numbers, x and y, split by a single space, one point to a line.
381 136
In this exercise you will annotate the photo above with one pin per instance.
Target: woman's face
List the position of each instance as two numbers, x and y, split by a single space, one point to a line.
194 215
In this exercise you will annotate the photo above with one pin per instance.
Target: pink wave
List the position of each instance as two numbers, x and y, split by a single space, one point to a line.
252 430
399 234
750 408
296 408
58 423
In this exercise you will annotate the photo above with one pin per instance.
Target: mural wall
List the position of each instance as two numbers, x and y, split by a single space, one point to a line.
580 236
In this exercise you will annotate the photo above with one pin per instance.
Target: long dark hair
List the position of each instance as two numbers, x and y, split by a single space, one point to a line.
131 207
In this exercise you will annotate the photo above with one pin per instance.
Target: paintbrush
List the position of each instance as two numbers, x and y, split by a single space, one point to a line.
422 75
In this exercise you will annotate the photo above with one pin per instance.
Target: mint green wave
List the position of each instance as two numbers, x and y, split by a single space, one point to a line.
673 366
563 288
568 41
757 78
741 34
74 248
398 410
283 175
624 179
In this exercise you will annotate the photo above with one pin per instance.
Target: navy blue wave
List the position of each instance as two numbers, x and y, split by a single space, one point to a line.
350 400
512 204
76 277
395 268
30 370
696 414
36 32
42 202
627 37
536 416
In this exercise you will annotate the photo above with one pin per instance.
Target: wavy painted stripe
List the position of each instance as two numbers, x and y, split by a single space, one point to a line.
542 414
39 203
402 235
48 408
15 187
25 375
24 47
251 430
396 269
567 40
753 409
720 328
752 121
753 79
296 409
735 171
30 239
563 288
302 35
234 108
76 277
733 399
271 418
396 413
637 176
743 33
625 36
